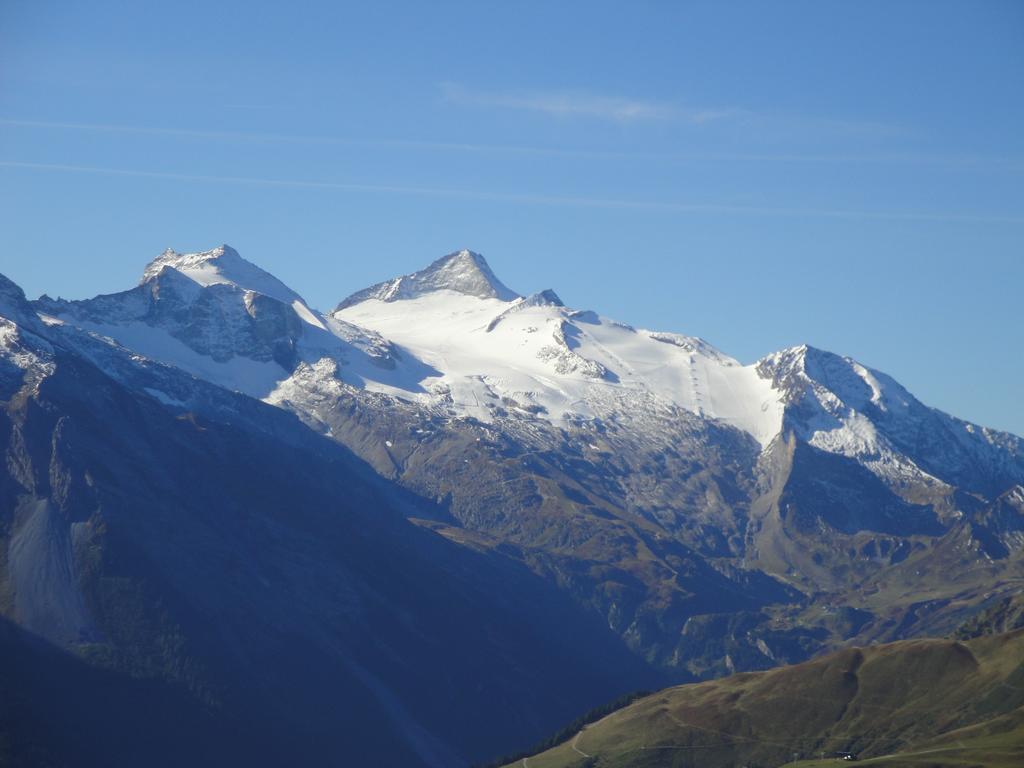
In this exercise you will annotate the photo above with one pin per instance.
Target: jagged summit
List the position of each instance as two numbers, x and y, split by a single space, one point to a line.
462 272
545 298
12 299
220 265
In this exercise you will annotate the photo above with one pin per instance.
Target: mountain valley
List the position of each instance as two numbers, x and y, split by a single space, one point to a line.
454 517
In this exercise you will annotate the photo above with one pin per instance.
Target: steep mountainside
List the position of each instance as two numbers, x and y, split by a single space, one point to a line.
717 516
206 554
915 702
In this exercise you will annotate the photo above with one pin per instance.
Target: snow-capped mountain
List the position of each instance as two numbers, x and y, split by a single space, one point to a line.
463 272
222 319
655 478
454 337
222 266
496 351
840 406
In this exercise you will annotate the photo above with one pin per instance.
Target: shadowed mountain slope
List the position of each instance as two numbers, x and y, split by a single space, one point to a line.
227 554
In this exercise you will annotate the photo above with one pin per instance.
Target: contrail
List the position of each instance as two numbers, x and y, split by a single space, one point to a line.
530 199
1012 164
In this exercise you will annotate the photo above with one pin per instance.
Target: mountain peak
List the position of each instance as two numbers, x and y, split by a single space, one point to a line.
184 262
220 266
13 304
463 272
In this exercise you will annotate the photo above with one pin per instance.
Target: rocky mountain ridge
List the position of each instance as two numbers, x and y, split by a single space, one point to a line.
711 516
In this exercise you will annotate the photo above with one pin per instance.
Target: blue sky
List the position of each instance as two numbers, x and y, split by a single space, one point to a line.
760 174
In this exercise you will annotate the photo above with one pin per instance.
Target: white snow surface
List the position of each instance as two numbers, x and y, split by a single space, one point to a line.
562 364
241 374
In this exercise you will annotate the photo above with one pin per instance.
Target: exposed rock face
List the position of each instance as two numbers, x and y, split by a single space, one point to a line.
707 515
219 321
840 406
462 272
195 538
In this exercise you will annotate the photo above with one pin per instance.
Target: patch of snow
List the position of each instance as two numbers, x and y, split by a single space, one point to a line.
241 374
164 398
306 315
15 350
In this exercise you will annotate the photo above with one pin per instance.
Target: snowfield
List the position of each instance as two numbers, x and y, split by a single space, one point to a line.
562 364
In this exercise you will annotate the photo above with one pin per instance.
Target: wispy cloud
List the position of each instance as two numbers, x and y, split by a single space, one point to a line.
580 104
610 108
1008 163
533 199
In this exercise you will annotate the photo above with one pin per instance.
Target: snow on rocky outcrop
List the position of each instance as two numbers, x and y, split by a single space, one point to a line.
220 266
223 319
462 272
840 406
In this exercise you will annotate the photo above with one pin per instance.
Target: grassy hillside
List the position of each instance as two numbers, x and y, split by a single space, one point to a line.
915 702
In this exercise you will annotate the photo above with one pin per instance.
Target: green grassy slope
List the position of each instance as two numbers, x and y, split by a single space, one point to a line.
915 702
